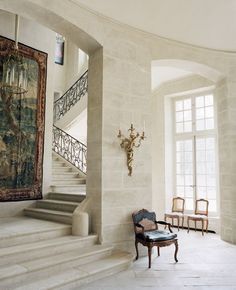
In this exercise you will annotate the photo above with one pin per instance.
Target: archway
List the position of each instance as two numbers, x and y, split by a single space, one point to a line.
192 78
70 29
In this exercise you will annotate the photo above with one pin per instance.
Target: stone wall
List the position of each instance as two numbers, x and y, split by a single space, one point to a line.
123 90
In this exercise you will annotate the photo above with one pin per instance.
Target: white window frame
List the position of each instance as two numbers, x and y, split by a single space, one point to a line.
192 135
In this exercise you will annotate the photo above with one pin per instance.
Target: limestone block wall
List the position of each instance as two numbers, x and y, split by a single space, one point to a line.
121 93
227 157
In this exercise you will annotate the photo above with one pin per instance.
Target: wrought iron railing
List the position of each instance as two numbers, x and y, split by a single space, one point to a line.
70 149
71 97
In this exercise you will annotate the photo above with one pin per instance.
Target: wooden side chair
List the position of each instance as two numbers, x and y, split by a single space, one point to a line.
147 233
201 214
177 211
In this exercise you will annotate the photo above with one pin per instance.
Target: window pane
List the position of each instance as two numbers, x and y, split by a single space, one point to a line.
180 180
187 126
200 144
189 191
212 205
199 102
210 168
209 124
179 116
211 192
201 192
179 146
189 203
210 143
201 156
179 127
187 104
179 105
180 191
187 115
205 169
209 112
188 145
201 168
188 180
209 100
201 180
200 113
200 125
188 156
188 168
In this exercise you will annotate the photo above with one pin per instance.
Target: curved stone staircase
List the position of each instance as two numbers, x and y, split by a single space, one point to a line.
68 189
43 255
38 252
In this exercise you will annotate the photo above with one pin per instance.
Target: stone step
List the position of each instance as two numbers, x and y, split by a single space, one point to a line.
59 205
73 197
62 169
65 175
77 276
13 276
19 253
68 181
23 230
80 188
51 215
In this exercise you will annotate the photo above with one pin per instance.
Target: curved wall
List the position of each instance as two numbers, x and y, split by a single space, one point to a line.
120 93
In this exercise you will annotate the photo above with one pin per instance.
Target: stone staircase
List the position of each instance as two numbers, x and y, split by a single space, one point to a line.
68 190
42 255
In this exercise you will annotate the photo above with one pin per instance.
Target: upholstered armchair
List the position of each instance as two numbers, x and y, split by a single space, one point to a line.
147 233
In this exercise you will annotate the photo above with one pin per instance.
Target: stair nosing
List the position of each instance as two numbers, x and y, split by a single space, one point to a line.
49 211
71 257
57 201
37 245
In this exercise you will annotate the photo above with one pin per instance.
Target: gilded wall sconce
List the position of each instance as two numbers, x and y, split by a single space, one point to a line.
129 143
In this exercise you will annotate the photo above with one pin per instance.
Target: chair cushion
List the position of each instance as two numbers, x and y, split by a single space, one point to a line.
197 216
174 213
157 235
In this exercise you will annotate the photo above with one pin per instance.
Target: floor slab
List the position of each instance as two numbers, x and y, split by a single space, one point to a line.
205 263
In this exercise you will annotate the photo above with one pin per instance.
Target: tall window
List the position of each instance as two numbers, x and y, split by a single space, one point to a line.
195 150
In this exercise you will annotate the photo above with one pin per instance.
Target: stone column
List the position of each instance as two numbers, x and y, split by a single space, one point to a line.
226 95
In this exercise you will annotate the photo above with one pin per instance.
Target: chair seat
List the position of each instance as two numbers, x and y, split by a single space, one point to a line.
197 216
156 236
172 214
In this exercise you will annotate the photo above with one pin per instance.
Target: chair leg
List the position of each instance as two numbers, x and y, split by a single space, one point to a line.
188 224
158 251
136 247
203 227
207 222
178 222
149 256
182 222
176 250
172 221
165 219
195 222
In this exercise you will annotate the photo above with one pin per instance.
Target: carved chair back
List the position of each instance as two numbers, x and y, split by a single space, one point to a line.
201 207
178 204
146 219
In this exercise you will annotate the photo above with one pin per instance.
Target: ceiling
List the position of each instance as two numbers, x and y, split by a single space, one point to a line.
204 23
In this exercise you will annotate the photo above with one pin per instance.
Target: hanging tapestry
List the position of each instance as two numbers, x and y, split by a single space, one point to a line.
22 127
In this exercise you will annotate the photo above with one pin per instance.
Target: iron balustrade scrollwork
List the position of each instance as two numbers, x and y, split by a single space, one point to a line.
70 149
71 97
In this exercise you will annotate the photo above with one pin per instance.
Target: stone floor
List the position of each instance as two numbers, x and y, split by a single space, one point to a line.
204 263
